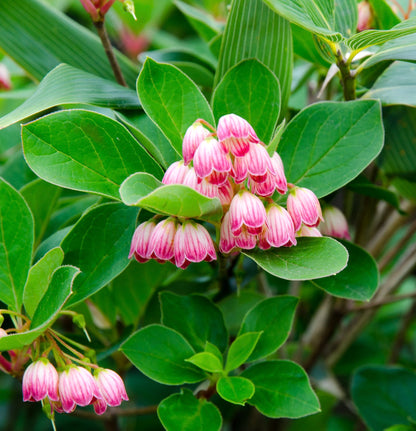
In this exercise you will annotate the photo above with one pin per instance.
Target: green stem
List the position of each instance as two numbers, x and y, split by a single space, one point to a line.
347 77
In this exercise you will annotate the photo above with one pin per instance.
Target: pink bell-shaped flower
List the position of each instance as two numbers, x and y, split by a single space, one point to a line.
246 240
40 380
111 388
334 224
193 137
227 239
5 82
226 193
304 207
193 244
211 162
279 230
175 173
162 239
201 186
256 163
308 231
141 247
77 386
235 134
246 211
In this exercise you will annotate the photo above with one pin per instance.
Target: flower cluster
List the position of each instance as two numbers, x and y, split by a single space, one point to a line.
73 386
232 164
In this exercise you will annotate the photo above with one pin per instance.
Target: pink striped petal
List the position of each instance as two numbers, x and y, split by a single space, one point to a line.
162 239
192 139
227 239
235 134
141 246
111 386
281 182
335 224
246 240
246 210
175 173
280 229
40 380
193 244
210 158
308 231
304 207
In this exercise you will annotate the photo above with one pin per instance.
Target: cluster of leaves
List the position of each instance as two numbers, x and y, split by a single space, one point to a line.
87 163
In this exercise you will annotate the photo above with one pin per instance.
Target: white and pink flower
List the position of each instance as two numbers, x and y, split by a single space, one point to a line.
40 380
308 231
192 139
211 162
111 388
335 224
162 240
246 212
141 247
304 207
176 173
278 230
236 134
77 386
193 244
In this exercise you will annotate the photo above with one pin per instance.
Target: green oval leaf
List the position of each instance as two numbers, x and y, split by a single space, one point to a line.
358 281
171 100
236 390
310 258
282 390
145 191
207 362
160 353
184 412
85 151
99 245
316 16
39 278
52 302
248 23
207 320
328 144
252 91
240 349
272 317
16 243
67 85
382 396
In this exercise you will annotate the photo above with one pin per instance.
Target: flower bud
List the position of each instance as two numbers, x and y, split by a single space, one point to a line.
304 207
40 380
335 223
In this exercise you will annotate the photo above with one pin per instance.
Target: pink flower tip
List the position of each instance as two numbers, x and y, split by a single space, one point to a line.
40 380
194 135
303 207
193 244
235 134
111 388
77 386
335 224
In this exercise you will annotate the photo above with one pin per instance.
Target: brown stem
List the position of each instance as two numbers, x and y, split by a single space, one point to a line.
387 258
401 335
387 300
105 40
350 332
116 412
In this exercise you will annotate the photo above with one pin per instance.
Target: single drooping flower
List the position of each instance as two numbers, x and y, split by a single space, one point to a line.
111 388
304 207
308 231
141 247
193 244
175 173
236 134
334 224
192 139
256 163
40 380
161 240
5 82
365 16
77 386
211 162
246 212
278 230
201 186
